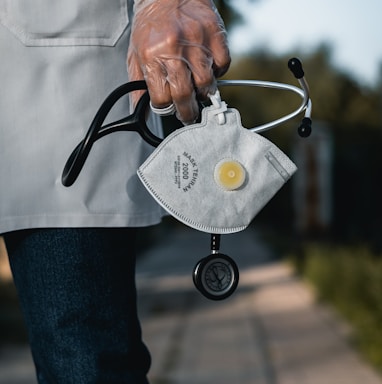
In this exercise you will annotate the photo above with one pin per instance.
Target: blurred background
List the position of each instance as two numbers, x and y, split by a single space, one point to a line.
327 220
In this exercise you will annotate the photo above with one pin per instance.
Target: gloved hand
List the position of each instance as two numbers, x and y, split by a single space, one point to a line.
179 47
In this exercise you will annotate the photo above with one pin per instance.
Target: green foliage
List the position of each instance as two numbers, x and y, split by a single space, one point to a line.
228 13
354 115
338 98
351 280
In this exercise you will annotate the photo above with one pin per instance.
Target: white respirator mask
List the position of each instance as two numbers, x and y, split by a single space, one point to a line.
213 176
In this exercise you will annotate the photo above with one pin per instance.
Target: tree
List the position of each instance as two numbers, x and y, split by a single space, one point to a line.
228 12
353 114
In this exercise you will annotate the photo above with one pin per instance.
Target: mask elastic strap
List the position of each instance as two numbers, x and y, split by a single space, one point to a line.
220 107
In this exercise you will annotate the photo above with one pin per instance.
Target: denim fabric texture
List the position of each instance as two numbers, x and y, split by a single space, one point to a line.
77 293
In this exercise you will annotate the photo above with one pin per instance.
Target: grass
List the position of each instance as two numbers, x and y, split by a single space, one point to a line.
349 278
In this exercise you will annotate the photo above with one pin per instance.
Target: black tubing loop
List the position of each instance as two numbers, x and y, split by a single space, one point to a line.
135 122
142 127
73 166
295 67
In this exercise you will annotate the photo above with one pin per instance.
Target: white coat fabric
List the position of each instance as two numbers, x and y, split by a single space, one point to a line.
59 61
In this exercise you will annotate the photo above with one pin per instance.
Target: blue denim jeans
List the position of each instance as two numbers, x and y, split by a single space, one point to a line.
77 293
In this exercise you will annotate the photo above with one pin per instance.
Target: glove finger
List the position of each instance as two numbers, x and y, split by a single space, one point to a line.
200 64
182 90
158 86
218 45
134 73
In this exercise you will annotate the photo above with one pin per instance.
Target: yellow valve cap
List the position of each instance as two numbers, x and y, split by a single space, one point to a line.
229 174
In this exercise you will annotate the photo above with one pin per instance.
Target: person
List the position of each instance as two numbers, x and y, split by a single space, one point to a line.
72 250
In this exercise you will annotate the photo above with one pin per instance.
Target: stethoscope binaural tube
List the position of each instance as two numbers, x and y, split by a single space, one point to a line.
137 120
134 122
296 68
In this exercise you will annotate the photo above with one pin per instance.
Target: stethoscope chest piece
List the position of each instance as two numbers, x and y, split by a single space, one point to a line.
216 276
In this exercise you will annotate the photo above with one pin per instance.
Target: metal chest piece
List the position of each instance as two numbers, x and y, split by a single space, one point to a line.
217 275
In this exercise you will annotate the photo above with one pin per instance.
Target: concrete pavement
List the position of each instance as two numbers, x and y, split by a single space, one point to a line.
270 331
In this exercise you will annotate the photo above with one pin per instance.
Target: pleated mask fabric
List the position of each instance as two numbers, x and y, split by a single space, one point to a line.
216 175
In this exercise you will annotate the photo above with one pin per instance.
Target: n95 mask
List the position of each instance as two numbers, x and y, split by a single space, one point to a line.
215 176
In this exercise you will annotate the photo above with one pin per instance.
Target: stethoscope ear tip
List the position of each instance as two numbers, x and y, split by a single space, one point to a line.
295 67
305 128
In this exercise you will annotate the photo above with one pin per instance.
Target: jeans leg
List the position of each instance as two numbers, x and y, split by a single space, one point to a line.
77 292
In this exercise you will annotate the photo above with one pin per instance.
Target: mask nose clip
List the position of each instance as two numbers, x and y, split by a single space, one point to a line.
217 275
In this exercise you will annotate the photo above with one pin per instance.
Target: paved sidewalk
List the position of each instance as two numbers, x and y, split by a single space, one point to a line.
269 332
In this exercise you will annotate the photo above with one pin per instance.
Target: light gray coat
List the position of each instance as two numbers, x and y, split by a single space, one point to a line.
59 60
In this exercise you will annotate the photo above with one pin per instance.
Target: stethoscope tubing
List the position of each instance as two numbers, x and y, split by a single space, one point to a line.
303 92
137 120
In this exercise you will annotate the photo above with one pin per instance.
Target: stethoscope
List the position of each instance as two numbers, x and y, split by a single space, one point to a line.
215 276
